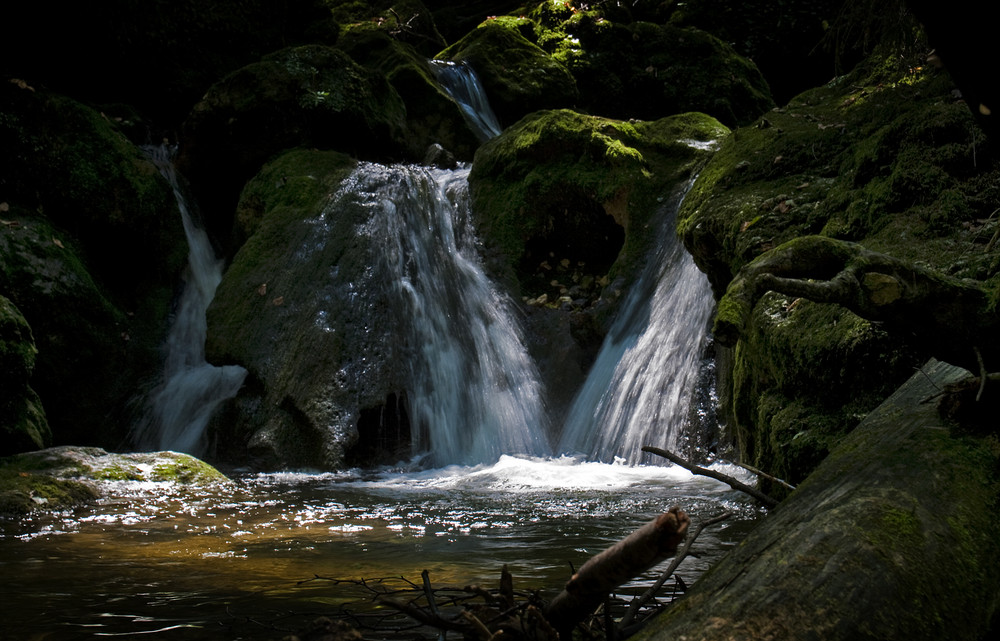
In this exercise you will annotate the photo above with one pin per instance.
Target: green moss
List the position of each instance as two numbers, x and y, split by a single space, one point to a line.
559 171
299 180
886 160
24 490
517 75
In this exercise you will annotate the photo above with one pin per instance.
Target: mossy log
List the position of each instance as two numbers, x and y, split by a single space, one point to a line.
951 319
894 536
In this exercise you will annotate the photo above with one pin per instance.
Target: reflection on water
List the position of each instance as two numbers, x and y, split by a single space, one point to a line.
227 562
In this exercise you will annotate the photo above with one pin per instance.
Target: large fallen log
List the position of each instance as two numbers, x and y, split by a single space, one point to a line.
896 535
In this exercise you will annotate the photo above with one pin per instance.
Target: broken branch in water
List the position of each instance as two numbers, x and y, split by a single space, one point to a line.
718 476
638 602
631 556
754 470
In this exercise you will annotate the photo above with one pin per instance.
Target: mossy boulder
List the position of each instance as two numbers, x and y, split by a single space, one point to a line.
797 347
432 117
298 309
303 96
885 157
408 22
61 477
563 186
91 247
517 75
23 425
73 164
636 69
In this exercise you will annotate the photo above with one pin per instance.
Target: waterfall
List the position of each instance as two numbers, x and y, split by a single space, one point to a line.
180 406
639 389
462 84
473 391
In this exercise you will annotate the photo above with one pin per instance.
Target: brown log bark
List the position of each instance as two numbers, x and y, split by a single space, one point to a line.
630 557
894 536
949 318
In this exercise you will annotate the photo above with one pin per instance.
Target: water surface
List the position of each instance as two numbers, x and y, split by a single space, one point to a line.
239 561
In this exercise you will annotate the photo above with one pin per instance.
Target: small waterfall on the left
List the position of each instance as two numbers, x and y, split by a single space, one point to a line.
180 406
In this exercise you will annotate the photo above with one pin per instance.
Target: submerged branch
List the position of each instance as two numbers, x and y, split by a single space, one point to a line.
754 470
718 476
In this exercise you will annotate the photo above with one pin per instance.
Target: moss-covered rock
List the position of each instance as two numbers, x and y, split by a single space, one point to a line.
407 22
566 205
91 247
432 117
302 96
74 165
299 310
517 75
636 69
885 157
23 425
61 477
560 185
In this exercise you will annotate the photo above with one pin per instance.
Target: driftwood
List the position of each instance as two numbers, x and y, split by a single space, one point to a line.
894 536
949 318
625 625
631 556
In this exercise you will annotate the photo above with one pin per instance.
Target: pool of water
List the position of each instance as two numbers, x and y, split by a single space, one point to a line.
260 557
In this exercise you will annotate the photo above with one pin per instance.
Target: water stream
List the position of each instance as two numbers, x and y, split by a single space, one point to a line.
238 561
473 391
639 390
460 81
180 407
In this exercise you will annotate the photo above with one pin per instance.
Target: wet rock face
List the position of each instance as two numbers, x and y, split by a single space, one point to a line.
300 307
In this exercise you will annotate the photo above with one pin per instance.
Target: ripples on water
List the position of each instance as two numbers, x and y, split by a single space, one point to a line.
227 561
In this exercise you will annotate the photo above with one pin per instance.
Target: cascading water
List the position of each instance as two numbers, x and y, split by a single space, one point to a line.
181 405
462 84
473 392
639 389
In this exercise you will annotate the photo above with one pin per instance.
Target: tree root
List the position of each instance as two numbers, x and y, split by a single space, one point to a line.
947 317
